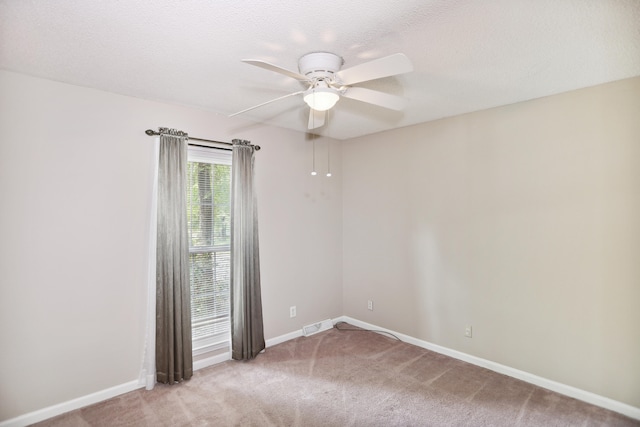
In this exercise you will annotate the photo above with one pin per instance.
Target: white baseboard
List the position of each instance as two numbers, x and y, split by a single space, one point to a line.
576 393
282 338
70 405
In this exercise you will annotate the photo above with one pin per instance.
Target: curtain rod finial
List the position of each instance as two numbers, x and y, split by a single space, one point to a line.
150 132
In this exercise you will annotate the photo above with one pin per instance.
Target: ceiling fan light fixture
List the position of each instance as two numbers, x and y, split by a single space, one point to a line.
321 98
326 82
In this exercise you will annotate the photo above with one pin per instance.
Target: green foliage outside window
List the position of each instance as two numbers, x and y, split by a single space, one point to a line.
209 215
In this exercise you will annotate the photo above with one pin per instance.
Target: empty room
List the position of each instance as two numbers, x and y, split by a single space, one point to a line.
297 213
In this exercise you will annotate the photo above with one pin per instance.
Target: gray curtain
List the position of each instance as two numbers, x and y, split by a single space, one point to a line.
247 332
173 295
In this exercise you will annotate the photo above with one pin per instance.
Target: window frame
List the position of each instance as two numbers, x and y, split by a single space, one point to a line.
210 155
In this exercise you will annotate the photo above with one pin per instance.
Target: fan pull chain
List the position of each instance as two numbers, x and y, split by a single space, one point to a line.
328 147
313 171
313 121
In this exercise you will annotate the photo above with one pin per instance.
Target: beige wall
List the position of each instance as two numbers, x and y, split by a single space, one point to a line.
522 221
75 187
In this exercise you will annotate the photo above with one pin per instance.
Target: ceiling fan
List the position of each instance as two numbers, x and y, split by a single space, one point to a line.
326 83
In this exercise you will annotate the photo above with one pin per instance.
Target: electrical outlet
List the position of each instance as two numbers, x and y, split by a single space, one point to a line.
292 311
468 331
370 305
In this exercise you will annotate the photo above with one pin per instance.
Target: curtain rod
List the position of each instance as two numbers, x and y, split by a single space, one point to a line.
153 132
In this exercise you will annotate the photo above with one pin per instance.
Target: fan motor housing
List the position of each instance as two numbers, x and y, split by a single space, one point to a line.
320 65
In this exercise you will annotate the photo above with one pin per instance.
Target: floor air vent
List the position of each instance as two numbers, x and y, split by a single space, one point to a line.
317 327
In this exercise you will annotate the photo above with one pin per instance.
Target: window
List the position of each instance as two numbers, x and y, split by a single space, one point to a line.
208 218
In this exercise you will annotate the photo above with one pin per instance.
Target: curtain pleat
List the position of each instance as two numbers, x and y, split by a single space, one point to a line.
247 330
173 309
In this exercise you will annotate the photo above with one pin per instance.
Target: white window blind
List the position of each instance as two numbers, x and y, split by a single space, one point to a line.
208 217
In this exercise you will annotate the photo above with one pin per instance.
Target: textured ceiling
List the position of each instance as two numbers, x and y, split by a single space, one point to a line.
468 55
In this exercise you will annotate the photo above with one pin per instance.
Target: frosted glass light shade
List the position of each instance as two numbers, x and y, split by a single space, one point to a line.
320 98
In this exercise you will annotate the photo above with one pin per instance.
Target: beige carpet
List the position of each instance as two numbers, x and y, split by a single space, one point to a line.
344 378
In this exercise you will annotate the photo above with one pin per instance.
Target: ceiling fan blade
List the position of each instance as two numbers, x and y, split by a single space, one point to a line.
376 69
381 99
265 103
316 118
271 67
